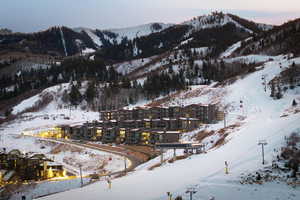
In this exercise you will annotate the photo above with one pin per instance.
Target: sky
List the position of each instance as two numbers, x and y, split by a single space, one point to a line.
35 15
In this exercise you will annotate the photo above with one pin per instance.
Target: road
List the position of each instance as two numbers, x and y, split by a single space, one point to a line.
136 157
134 160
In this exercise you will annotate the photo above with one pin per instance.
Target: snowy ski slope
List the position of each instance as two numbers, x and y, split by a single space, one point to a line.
205 172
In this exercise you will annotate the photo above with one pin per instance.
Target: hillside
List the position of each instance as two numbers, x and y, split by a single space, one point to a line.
261 117
280 40
56 41
203 31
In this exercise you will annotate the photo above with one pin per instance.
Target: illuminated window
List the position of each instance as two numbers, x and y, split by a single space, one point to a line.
145 136
147 124
122 133
99 132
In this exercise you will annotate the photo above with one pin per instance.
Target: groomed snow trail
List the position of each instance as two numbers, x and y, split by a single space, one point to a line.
63 41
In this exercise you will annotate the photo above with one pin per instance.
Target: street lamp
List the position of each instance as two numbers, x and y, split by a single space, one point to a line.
191 191
262 143
125 165
80 170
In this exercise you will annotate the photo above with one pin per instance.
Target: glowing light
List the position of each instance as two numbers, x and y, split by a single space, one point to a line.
64 173
55 132
50 173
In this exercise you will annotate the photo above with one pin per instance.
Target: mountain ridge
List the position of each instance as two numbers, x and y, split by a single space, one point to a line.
78 39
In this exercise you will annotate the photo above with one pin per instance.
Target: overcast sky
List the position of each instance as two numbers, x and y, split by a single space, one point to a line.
35 15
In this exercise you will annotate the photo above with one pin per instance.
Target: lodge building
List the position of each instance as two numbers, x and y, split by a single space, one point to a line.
16 166
143 125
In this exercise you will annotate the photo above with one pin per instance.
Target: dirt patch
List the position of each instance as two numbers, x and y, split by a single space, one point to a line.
155 166
223 133
203 134
221 141
64 147
178 158
149 151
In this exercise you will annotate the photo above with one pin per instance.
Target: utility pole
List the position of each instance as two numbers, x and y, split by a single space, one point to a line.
109 182
161 156
224 118
125 165
263 77
262 143
226 168
80 170
191 191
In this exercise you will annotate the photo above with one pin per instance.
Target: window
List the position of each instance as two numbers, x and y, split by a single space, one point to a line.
122 133
148 125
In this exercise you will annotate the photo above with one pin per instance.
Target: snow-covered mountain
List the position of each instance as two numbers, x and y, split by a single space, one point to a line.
139 31
259 117
279 40
211 21
119 34
220 19
64 41
198 23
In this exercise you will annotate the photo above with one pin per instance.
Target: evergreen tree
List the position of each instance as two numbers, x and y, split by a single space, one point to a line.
126 83
291 75
90 93
279 93
272 89
222 73
75 96
178 198
294 103
131 99
7 112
